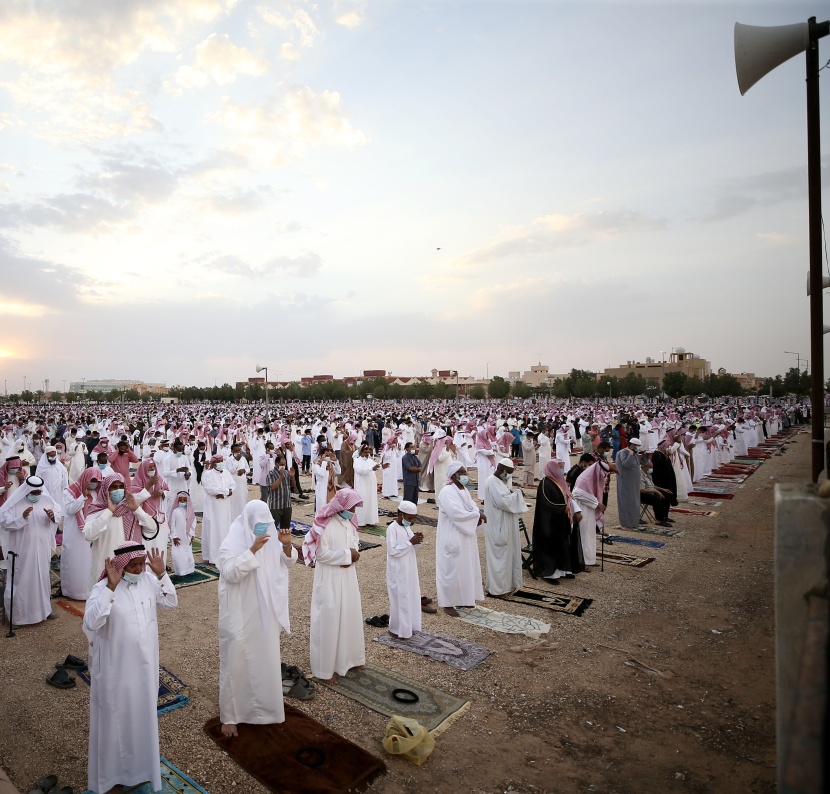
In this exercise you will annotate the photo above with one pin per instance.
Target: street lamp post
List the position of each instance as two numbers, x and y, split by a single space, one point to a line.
609 389
259 369
663 375
759 50
487 377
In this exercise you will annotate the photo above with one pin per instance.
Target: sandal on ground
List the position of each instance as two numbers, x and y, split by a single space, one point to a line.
60 679
46 783
302 689
71 663
377 622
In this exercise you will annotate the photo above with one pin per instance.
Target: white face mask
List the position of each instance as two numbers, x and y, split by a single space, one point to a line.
131 578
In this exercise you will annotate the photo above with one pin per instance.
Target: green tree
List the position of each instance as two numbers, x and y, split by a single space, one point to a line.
521 390
632 385
443 391
796 382
693 387
27 396
674 382
56 397
498 388
477 392
132 395
71 396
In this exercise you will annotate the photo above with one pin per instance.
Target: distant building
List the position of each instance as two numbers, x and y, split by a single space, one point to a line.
680 361
80 387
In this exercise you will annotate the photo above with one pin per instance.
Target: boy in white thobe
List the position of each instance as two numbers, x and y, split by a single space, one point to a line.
402 582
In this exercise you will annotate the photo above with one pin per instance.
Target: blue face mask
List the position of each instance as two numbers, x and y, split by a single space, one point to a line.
406 523
260 529
463 479
34 498
103 466
131 578
117 496
347 514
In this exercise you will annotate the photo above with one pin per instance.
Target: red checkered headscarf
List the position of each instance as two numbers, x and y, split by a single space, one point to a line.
122 556
132 529
344 499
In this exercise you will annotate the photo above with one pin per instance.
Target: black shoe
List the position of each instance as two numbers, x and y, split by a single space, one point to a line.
71 663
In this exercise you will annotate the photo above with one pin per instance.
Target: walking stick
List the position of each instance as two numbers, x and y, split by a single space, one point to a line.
11 633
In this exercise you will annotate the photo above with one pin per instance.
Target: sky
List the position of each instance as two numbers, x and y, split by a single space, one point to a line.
189 188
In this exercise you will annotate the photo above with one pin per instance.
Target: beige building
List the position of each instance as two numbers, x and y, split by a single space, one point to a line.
538 375
679 361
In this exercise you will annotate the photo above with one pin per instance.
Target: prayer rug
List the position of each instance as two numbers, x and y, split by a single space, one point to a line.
70 607
196 546
550 599
173 692
694 512
457 653
626 559
650 544
298 756
204 573
173 781
373 687
665 532
504 622
299 526
372 530
703 488
701 503
365 546
707 495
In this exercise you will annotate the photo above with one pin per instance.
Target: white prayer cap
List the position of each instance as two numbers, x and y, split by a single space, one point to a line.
50 448
453 468
634 442
410 508
507 463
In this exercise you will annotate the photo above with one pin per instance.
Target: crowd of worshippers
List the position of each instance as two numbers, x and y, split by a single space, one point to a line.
120 489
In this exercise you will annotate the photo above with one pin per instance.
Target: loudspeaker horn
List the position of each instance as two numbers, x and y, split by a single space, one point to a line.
259 369
825 282
759 50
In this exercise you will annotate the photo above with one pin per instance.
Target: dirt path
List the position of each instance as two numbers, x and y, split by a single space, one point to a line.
665 684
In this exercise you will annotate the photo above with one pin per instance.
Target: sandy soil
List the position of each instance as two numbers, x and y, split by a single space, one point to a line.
584 716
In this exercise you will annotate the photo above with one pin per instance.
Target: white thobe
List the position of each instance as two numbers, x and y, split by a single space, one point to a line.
390 475
366 484
563 450
216 520
250 684
442 462
336 612
105 532
176 480
321 482
33 540
77 453
501 534
402 582
457 564
238 469
122 629
76 552
587 504
182 555
544 450
486 465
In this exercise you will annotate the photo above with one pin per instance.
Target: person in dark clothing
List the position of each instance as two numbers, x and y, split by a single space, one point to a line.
650 494
411 466
585 460
557 548
663 474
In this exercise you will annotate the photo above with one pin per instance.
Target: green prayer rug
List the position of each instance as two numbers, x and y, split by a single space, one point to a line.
373 687
173 692
373 530
205 572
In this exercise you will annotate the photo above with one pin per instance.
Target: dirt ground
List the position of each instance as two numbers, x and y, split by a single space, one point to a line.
586 715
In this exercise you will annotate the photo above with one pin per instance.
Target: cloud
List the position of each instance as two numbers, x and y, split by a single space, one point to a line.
240 201
295 20
32 282
305 265
217 60
275 133
551 232
288 52
70 212
350 14
146 181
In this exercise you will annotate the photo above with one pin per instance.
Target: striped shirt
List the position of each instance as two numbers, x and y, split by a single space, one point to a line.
279 498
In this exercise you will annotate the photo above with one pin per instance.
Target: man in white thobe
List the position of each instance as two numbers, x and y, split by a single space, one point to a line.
457 563
502 506
216 522
254 561
121 626
176 472
237 466
402 581
366 484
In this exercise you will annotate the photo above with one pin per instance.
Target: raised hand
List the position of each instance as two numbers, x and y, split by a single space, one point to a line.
155 559
259 542
113 574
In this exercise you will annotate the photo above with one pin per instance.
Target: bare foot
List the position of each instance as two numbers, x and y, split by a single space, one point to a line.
360 667
393 635
229 731
452 612
332 680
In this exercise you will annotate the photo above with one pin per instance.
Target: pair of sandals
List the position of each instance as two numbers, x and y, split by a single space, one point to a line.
378 621
61 679
295 684
49 785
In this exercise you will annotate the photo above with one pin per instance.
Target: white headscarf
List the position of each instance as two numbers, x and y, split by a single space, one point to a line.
17 503
271 575
453 468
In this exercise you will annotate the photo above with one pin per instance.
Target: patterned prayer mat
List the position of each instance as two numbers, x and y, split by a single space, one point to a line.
665 532
550 599
694 512
173 781
630 560
204 573
710 489
707 495
504 622
364 545
373 687
196 546
457 653
298 756
72 607
649 544
299 526
173 692
372 530
701 503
